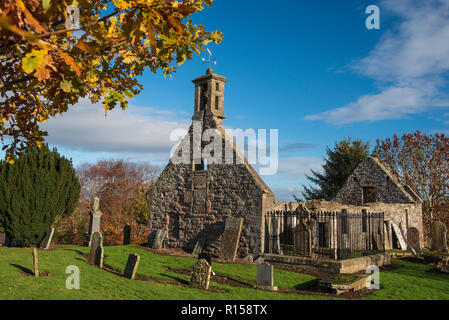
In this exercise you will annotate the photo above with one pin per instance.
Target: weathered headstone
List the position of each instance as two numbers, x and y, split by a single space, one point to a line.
97 241
131 266
439 240
275 234
3 239
199 246
159 238
205 256
399 236
413 239
201 271
35 266
230 239
99 256
265 276
47 241
127 235
94 223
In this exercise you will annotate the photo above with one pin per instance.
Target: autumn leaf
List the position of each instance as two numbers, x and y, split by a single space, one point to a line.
33 60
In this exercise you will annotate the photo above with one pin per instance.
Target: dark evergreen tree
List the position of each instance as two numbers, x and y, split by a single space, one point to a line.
340 163
34 191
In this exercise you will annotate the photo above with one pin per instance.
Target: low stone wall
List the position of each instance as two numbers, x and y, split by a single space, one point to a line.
332 266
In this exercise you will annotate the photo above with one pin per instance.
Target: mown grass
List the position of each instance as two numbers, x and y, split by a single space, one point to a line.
410 281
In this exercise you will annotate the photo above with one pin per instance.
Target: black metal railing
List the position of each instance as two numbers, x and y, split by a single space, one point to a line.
326 235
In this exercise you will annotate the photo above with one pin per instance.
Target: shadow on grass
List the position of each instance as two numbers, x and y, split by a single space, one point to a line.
182 281
23 269
77 251
307 285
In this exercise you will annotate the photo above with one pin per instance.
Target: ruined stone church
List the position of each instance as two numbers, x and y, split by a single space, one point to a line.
193 198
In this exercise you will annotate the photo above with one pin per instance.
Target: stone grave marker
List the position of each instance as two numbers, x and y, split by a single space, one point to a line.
265 276
127 235
94 222
47 241
97 241
399 235
3 239
439 240
230 239
159 238
413 240
201 271
199 246
131 266
99 256
35 266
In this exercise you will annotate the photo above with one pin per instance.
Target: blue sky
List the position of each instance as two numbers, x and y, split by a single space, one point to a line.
310 69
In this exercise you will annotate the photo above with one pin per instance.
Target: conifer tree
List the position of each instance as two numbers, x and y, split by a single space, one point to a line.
38 188
340 163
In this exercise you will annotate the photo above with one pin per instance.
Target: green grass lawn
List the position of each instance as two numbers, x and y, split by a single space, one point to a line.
410 281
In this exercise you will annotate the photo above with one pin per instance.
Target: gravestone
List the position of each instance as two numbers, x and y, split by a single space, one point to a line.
201 271
230 239
127 235
47 241
97 241
399 236
413 240
35 266
265 276
94 222
439 240
159 238
131 266
99 256
199 246
206 257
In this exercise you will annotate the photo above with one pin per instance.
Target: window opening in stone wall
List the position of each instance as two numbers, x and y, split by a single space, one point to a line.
216 102
369 194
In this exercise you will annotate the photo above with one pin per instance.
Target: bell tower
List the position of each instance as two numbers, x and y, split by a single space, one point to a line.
209 97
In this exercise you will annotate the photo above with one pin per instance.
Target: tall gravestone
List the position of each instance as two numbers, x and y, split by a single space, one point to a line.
265 276
35 263
439 240
201 271
94 223
47 241
413 239
127 235
158 239
230 239
131 266
97 241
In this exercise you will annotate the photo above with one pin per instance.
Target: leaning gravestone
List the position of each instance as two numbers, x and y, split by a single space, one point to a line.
199 246
131 266
413 240
439 240
97 241
201 275
127 235
47 241
159 238
265 276
398 233
230 239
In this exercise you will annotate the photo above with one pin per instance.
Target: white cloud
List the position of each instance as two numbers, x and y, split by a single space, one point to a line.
136 131
409 64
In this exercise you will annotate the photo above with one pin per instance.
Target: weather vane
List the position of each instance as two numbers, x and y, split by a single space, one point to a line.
210 61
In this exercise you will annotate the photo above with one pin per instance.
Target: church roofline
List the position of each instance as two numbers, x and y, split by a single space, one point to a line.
209 75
